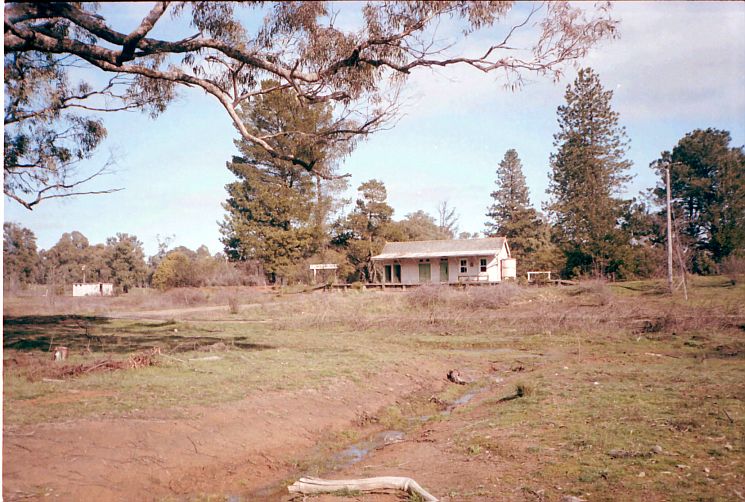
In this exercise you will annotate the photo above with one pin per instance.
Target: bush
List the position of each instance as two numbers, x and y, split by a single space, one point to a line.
429 295
523 389
492 297
733 267
594 288
233 305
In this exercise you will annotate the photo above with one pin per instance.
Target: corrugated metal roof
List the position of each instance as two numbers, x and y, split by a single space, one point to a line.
433 249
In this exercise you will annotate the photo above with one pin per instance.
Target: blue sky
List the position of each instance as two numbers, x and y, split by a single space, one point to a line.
675 68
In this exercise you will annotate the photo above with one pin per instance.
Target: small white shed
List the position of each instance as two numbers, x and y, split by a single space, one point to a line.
92 289
448 262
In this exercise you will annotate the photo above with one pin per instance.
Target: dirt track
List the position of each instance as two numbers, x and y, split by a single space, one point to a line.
182 313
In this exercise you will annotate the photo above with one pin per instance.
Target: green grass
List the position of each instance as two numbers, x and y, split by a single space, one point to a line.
286 361
621 396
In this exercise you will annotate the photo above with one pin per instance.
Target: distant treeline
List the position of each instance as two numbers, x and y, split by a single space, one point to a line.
121 260
281 217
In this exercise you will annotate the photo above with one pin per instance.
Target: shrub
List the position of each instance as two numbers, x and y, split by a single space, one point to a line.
492 297
595 288
733 267
233 305
523 389
428 295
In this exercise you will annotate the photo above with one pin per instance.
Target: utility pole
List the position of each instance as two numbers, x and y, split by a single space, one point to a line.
669 233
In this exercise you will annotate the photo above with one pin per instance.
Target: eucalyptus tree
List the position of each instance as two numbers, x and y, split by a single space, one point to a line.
20 257
360 70
125 259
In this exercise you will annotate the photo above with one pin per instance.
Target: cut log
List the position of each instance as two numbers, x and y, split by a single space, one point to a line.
310 486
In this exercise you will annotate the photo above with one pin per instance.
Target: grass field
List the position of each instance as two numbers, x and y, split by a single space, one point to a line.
623 389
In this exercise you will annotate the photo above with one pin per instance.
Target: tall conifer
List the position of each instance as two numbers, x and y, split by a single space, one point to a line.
511 207
588 172
276 211
708 191
511 216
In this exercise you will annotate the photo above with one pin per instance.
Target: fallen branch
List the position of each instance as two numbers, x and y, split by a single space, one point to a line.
206 358
316 485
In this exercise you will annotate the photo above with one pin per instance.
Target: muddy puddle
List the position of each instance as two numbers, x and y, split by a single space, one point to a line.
346 457
462 400
358 451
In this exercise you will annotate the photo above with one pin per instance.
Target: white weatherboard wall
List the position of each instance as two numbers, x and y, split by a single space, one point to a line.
93 289
493 271
410 271
509 268
493 253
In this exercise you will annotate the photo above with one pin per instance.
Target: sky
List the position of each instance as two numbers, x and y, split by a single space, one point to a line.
676 67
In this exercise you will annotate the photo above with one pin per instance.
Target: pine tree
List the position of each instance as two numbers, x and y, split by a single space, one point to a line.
588 172
512 216
364 231
511 207
708 191
277 211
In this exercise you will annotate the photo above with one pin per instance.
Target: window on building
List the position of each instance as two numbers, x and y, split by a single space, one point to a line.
464 266
482 264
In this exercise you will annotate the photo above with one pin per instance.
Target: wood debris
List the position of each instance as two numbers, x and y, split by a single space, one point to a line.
309 486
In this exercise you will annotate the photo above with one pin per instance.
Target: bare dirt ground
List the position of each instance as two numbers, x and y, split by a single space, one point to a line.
240 448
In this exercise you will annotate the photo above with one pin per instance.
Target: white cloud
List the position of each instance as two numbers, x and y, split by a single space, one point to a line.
674 60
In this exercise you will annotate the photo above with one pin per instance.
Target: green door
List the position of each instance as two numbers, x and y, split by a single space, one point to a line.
444 271
425 273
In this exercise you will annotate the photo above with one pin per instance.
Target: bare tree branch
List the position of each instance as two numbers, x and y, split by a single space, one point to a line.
299 46
60 190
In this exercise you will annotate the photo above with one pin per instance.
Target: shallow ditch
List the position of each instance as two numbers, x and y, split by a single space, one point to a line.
359 450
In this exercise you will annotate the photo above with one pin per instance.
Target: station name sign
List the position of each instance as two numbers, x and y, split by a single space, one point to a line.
324 266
